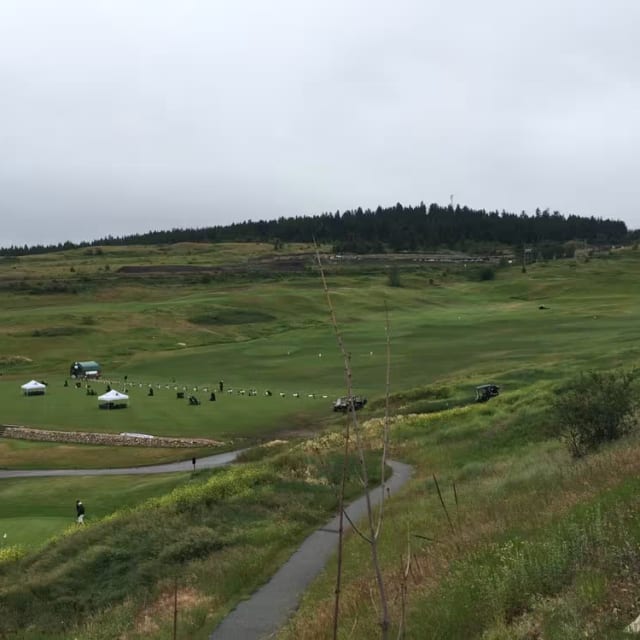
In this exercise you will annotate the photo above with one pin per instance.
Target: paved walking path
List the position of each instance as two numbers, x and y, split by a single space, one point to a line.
270 606
209 462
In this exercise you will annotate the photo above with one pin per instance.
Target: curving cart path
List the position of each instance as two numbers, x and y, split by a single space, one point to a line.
272 604
209 462
269 607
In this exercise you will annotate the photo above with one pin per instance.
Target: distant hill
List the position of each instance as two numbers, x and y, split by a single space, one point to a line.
396 228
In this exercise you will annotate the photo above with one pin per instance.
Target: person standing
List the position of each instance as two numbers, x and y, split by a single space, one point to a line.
193 462
221 386
79 512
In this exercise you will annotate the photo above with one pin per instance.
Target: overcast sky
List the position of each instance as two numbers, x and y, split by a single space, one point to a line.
121 116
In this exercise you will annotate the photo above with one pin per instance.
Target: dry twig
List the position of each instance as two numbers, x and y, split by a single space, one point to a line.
353 426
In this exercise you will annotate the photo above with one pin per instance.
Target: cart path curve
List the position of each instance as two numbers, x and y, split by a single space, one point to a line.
268 609
208 462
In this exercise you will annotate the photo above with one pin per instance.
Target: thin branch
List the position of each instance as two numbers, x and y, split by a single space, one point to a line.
446 511
404 579
384 618
427 538
343 479
385 432
353 627
455 497
355 528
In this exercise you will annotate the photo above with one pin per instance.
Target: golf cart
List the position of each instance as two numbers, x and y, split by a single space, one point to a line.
486 391
344 404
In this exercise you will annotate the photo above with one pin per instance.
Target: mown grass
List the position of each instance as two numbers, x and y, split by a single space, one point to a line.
25 454
455 329
35 509
230 417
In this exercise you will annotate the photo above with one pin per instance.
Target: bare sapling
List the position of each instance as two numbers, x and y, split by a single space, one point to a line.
353 427
452 527
405 568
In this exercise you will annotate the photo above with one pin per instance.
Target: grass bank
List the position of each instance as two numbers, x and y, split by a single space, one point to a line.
537 545
219 533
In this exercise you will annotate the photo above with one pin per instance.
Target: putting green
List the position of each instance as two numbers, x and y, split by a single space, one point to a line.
34 509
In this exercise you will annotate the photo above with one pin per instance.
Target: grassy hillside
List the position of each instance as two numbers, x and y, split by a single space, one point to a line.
540 545
219 533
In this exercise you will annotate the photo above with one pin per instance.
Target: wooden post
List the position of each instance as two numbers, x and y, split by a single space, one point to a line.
175 608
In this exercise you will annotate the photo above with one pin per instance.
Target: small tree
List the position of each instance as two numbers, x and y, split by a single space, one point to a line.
595 408
393 279
487 273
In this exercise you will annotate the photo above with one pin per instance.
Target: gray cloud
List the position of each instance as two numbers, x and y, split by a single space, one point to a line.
119 117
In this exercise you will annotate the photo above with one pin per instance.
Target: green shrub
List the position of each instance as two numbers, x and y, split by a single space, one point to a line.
52 332
487 273
231 316
393 279
594 408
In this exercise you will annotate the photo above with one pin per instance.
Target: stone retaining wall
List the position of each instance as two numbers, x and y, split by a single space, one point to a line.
111 439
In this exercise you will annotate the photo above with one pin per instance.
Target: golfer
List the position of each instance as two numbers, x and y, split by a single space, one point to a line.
79 512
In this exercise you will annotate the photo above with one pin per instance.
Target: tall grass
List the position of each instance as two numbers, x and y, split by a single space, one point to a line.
531 527
504 580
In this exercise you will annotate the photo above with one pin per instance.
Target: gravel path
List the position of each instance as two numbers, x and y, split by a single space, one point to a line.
270 606
209 462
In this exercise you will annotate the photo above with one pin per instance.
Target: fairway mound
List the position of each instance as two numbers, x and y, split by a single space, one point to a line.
231 316
11 360
110 439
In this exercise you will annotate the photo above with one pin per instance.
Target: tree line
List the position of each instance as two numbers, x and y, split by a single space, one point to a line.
396 228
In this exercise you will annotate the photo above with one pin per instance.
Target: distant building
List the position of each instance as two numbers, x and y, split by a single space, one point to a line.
87 369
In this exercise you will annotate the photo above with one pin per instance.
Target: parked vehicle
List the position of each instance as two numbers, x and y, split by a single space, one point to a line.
87 369
344 403
486 391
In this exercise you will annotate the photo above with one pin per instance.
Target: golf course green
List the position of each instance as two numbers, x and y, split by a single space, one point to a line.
270 339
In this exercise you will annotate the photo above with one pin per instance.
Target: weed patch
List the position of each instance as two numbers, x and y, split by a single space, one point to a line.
231 316
52 332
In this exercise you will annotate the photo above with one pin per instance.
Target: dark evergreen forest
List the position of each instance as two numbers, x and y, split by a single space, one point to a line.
397 228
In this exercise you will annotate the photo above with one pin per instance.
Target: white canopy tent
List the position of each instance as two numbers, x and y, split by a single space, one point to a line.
113 399
33 388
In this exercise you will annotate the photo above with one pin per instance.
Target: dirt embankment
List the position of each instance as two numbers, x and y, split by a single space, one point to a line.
110 439
277 264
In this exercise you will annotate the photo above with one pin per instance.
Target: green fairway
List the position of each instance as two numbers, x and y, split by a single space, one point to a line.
188 338
34 509
26 454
